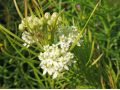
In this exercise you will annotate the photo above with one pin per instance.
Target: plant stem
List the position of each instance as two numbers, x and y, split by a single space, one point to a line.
75 42
18 10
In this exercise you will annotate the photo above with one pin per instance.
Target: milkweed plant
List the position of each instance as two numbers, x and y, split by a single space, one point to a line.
55 57
52 51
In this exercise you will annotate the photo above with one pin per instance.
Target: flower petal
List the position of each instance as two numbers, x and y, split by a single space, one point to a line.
55 75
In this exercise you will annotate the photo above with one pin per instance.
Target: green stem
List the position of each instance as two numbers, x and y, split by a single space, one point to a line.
16 6
75 42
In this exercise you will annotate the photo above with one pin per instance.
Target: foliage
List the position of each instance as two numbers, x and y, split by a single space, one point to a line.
97 58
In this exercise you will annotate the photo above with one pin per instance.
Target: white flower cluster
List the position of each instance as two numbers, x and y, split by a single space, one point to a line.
34 25
31 22
53 19
71 36
55 59
27 38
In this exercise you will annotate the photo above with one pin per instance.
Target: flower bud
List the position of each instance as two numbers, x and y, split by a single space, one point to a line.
21 27
54 16
47 15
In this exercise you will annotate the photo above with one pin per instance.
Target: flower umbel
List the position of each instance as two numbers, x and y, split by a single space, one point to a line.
68 35
55 60
39 28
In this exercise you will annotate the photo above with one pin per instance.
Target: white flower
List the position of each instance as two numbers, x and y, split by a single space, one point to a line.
47 15
64 43
55 60
54 15
54 19
29 22
27 38
55 75
67 35
36 21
